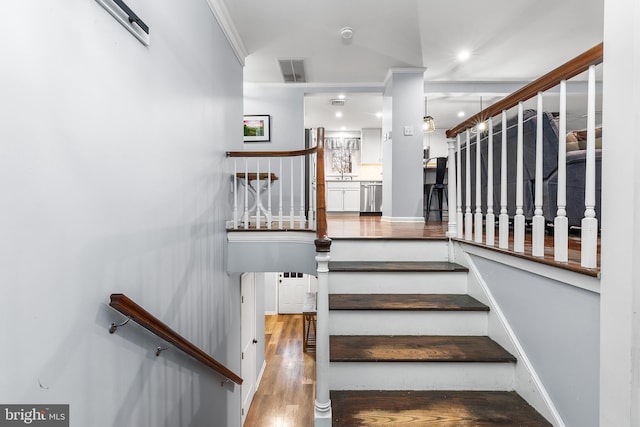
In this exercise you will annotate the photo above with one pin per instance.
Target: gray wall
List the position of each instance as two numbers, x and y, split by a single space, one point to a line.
558 327
285 105
112 180
402 166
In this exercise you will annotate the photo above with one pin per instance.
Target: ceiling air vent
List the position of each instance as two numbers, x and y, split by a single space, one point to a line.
293 70
338 102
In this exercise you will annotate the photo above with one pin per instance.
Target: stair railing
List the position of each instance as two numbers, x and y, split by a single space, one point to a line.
275 189
317 219
145 319
469 226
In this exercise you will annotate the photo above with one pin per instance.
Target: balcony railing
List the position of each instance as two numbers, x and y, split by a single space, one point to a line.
279 190
534 142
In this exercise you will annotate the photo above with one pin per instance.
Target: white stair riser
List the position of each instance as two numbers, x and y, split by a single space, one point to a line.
421 376
365 322
397 282
389 250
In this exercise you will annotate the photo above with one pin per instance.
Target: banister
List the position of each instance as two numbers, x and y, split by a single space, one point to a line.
323 243
145 319
293 153
566 71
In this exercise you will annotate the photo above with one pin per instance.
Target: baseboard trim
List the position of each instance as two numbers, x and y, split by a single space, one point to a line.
259 379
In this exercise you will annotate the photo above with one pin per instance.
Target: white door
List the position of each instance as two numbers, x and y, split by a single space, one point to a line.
248 340
291 290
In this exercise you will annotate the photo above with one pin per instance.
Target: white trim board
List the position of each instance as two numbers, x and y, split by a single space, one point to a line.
221 14
583 281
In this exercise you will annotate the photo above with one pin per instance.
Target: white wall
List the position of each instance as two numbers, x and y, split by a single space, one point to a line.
113 179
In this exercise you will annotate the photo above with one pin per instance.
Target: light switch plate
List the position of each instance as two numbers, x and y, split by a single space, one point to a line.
408 131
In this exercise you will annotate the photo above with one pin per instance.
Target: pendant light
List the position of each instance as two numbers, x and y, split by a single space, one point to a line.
428 125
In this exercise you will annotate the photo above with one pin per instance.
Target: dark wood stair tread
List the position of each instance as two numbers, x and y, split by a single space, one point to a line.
395 266
445 302
408 348
433 408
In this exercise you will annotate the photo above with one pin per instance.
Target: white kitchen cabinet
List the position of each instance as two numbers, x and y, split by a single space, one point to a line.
343 196
371 146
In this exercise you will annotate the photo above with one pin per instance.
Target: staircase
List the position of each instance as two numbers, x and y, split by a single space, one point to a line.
408 346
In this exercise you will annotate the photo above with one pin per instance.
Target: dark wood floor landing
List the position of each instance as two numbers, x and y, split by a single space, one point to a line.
432 408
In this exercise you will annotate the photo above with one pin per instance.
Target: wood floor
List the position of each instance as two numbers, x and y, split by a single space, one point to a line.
355 226
287 390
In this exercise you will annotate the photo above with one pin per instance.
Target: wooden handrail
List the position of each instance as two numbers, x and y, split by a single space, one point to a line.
323 243
566 71
293 153
145 319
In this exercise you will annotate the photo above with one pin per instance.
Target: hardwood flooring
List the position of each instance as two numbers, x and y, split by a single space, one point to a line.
287 390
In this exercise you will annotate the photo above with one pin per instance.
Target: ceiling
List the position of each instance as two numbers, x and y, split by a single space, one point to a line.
510 43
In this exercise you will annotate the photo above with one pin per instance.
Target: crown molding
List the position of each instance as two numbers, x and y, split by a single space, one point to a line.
221 14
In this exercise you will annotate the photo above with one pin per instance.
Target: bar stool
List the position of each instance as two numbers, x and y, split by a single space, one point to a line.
439 186
309 321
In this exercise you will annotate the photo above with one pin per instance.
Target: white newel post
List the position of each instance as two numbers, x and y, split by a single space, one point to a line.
590 222
452 229
468 216
503 227
518 220
490 219
538 220
561 222
323 401
458 189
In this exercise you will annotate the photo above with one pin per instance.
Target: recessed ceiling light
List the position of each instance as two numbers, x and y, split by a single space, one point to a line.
378 114
463 55
460 113
343 128
339 114
341 96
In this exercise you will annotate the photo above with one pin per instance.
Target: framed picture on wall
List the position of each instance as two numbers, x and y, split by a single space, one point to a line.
257 128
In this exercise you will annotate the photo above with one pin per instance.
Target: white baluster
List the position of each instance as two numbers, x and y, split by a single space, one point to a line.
561 222
589 248
503 230
291 194
246 193
258 193
538 219
280 213
235 194
468 217
302 219
478 214
518 221
452 230
459 221
490 219
269 182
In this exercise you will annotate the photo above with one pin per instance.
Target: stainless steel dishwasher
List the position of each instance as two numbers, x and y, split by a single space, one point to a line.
371 198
